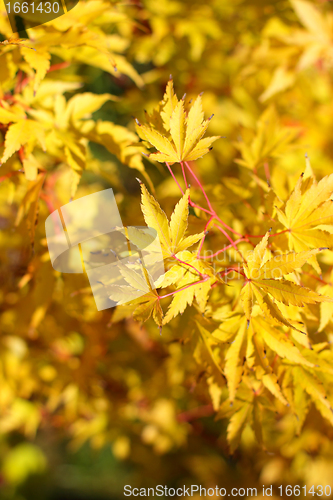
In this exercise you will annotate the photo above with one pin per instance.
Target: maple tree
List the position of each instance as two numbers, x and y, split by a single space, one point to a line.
232 348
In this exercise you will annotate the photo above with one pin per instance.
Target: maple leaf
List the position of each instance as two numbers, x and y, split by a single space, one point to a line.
263 369
31 166
307 215
326 308
9 114
178 136
301 406
316 39
270 141
269 380
233 367
278 342
30 205
145 305
191 285
266 278
116 139
172 238
82 105
39 61
315 390
23 133
236 425
209 343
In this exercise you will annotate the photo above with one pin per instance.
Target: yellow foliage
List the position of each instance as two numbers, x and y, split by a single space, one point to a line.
239 329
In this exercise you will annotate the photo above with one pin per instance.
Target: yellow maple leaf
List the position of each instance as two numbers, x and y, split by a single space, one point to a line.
31 166
10 114
23 133
82 105
278 342
307 215
168 104
312 19
189 285
172 238
270 140
266 278
178 221
39 61
147 304
236 425
326 308
177 137
315 390
233 367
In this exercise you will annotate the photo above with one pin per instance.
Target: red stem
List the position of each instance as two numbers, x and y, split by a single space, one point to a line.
194 205
214 215
62 65
200 246
204 236
262 235
239 272
226 226
174 178
220 251
10 174
316 278
181 289
201 187
267 172
212 211
229 238
227 271
189 265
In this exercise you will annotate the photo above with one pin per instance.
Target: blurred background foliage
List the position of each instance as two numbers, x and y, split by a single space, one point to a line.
90 402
